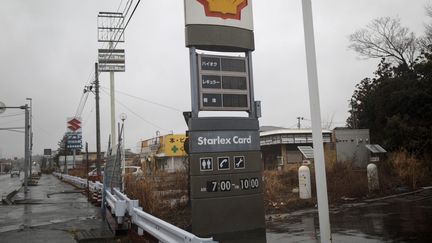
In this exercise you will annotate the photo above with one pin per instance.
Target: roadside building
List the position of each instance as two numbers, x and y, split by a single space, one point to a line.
351 146
165 153
279 146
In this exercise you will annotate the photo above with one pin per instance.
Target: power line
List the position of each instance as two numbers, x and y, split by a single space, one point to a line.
136 114
11 121
16 114
145 100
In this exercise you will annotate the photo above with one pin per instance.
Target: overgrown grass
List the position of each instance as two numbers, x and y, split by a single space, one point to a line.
404 170
163 195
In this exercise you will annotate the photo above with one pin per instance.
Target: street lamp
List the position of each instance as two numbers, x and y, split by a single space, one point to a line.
31 133
123 117
25 107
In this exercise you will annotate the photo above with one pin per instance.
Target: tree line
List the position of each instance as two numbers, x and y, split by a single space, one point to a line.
395 104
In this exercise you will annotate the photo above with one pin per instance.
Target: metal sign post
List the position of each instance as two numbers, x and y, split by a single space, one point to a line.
225 165
110 29
321 182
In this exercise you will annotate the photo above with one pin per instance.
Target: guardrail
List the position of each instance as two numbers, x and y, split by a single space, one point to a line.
120 204
162 230
130 204
117 206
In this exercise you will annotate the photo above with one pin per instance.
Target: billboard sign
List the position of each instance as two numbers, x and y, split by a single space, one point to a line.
74 140
232 13
223 83
73 124
47 152
111 60
74 133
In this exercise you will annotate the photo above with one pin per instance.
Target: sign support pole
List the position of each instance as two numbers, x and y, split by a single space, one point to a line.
73 158
112 96
252 113
321 183
194 81
65 171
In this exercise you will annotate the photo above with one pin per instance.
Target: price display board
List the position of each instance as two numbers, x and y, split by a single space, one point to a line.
223 83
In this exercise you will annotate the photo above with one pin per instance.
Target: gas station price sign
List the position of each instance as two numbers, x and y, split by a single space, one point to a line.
223 83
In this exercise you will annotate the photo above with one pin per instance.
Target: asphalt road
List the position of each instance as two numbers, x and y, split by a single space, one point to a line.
52 211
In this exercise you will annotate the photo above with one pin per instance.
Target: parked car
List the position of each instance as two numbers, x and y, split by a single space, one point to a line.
134 170
15 172
94 172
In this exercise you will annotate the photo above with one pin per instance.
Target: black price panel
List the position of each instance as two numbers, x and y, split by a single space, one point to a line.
210 63
235 100
232 82
223 83
234 65
211 82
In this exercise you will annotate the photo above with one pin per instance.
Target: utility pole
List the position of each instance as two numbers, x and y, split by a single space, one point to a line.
26 147
87 170
65 171
98 145
298 121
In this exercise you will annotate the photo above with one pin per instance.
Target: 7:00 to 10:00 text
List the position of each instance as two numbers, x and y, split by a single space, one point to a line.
226 185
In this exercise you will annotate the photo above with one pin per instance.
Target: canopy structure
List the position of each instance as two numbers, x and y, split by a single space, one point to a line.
307 151
375 148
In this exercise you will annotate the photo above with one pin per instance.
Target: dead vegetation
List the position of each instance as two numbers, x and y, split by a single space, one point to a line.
163 195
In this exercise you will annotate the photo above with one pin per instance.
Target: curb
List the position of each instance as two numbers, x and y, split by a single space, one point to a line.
9 196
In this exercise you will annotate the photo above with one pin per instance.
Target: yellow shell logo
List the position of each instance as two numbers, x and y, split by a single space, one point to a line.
225 9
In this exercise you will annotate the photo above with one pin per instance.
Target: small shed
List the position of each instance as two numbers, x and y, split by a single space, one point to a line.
376 152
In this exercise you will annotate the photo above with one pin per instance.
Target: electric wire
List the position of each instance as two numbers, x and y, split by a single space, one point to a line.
11 115
13 130
136 114
145 100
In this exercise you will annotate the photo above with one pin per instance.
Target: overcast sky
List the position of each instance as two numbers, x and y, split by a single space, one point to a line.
48 49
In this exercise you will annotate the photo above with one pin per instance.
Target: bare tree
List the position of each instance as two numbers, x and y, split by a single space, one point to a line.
426 41
386 38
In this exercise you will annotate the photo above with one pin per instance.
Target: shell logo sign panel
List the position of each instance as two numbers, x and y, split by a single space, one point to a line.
225 9
234 13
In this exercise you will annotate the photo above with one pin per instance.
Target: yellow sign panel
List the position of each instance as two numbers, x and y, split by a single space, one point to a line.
173 145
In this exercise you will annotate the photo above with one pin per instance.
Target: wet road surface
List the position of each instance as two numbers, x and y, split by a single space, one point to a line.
401 219
59 217
39 218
